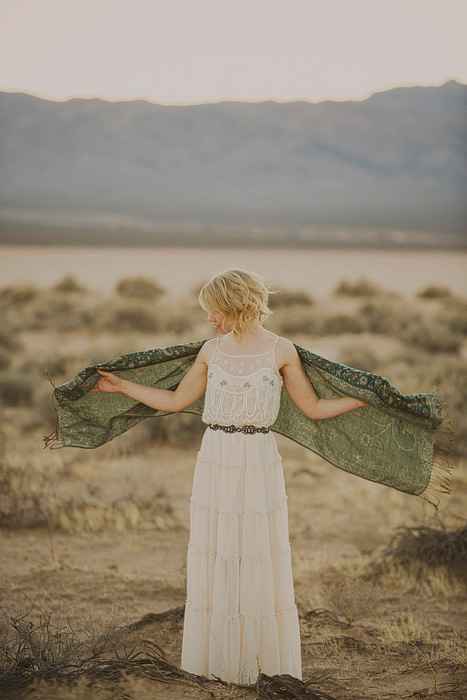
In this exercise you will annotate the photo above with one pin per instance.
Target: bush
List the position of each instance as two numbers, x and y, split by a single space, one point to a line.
134 317
359 288
16 389
21 497
139 288
68 284
179 322
337 324
19 294
180 430
123 316
454 315
9 341
434 291
299 320
289 297
360 356
52 310
293 321
5 359
434 546
387 316
433 337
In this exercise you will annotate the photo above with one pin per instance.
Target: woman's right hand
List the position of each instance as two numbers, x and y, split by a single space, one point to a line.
108 382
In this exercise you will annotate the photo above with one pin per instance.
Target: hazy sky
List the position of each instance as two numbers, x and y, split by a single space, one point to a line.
179 51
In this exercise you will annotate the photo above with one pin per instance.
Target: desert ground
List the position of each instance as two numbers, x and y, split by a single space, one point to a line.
93 543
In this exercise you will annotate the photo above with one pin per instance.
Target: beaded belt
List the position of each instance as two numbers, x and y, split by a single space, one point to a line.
245 429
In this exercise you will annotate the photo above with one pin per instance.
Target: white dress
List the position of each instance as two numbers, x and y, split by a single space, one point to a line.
240 617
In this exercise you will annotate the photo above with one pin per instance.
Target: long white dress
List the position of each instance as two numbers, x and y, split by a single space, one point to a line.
240 617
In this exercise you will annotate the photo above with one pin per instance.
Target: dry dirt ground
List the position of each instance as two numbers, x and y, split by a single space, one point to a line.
367 631
93 544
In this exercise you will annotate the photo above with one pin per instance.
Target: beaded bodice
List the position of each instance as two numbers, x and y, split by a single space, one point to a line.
242 389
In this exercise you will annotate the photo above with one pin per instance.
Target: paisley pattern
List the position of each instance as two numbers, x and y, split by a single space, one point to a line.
390 442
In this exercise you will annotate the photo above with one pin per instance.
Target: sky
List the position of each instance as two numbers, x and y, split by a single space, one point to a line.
194 51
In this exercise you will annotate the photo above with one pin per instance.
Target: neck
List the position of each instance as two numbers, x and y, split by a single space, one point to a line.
248 336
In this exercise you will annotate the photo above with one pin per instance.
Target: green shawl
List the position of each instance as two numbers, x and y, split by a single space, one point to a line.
391 442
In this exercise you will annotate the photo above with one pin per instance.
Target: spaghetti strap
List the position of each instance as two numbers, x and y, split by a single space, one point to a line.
273 349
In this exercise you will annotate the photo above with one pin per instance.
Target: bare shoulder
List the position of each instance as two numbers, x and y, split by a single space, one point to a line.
207 351
286 353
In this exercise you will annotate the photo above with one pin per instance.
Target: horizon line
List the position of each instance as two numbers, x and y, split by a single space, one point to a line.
240 100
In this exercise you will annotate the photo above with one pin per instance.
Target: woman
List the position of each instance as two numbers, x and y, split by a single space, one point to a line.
240 615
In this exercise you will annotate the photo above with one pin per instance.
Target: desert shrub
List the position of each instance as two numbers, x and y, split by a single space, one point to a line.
179 322
433 337
134 317
338 324
45 408
18 294
289 297
351 599
139 288
21 497
454 315
68 284
294 321
386 316
359 288
126 315
51 310
360 356
55 364
434 291
433 546
9 340
300 320
46 647
16 389
5 359
181 430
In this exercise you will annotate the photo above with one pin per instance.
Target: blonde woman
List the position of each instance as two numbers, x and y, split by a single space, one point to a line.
240 614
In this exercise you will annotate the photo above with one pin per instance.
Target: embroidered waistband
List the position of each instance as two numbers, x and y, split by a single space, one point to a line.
245 429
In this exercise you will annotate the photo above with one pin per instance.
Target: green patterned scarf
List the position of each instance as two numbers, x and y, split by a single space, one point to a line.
391 442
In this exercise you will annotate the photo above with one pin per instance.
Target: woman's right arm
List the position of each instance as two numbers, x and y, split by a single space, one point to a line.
191 388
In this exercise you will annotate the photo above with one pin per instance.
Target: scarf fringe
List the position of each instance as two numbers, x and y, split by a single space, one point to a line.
53 441
442 467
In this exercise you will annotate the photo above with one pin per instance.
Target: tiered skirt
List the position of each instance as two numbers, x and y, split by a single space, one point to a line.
240 617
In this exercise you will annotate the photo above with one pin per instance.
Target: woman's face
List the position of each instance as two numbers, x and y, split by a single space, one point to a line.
220 321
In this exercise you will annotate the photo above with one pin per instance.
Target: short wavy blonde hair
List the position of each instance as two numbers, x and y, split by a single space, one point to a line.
238 294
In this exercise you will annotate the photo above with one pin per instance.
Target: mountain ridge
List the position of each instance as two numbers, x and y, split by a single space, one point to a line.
396 159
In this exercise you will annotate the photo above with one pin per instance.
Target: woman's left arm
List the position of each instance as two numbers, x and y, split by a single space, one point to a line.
302 393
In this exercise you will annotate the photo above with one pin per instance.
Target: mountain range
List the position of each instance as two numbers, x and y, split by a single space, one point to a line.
395 160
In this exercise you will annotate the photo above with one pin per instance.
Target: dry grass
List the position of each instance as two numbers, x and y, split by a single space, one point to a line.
32 498
406 628
45 652
452 651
